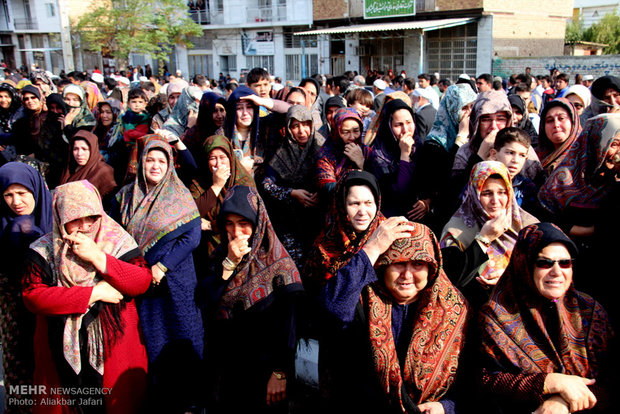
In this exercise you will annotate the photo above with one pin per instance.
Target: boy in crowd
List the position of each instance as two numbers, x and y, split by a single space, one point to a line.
135 124
510 148
259 81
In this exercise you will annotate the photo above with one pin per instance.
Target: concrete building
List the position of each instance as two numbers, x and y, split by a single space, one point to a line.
30 33
242 34
446 36
592 11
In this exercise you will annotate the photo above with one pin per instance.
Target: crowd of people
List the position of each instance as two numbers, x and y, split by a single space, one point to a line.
172 242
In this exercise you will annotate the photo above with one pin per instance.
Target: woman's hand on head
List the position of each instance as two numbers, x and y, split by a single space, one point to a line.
86 249
391 229
354 152
238 247
192 117
433 407
104 292
258 101
573 389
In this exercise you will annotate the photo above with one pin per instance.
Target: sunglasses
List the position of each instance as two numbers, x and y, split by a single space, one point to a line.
544 263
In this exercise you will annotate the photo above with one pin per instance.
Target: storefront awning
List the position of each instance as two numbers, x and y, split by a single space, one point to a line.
40 49
425 26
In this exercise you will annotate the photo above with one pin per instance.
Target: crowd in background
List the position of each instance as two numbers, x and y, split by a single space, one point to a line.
447 244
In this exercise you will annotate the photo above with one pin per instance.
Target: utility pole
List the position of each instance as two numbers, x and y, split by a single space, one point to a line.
65 38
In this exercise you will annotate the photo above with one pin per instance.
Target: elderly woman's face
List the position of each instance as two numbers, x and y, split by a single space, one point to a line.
558 125
296 98
218 159
553 271
612 158
81 225
577 102
19 199
301 131
361 207
219 115
405 281
5 100
106 115
237 226
350 131
493 122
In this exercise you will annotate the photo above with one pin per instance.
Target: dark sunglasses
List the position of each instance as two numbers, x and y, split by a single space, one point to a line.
544 263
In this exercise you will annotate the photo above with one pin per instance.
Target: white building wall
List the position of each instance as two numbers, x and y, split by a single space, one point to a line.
484 55
351 59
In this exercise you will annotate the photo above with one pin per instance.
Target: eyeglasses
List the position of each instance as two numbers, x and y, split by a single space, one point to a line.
348 132
487 119
28 98
544 263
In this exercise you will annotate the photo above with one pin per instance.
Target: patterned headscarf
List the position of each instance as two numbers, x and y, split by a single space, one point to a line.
438 333
489 102
177 121
550 157
152 214
516 322
73 201
267 268
582 179
338 242
446 124
471 216
85 117
293 163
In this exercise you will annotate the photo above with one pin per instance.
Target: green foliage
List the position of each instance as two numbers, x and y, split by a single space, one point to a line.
607 31
574 31
152 27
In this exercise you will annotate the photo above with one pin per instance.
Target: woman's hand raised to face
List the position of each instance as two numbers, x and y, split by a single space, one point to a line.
496 226
393 228
354 152
86 249
238 247
221 176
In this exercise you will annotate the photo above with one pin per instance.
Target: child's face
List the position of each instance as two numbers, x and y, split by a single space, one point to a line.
137 105
261 88
513 156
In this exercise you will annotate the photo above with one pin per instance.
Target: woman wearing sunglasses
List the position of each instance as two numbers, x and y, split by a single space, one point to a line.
545 345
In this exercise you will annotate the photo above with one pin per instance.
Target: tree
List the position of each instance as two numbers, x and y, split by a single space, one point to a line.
607 31
574 31
151 27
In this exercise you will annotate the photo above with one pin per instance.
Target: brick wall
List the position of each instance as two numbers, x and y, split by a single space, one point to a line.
572 65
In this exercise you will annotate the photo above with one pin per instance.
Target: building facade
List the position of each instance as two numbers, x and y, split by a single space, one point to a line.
30 33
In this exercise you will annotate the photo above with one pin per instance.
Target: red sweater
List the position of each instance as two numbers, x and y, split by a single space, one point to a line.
125 365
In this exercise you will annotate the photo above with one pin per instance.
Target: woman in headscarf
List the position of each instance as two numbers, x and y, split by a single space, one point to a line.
521 119
11 110
87 163
251 289
209 188
158 210
41 80
581 97
106 115
490 113
173 91
80 282
479 238
390 316
391 159
25 215
342 151
79 116
544 343
559 128
185 112
331 106
449 132
211 117
289 185
373 128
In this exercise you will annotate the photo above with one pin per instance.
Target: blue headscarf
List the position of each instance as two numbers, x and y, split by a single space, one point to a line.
447 121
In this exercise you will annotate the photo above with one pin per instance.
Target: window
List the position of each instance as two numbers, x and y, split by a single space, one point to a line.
228 63
265 62
50 9
292 41
200 65
294 69
452 51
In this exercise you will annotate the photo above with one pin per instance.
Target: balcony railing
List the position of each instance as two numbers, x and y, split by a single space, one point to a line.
266 14
25 24
207 17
